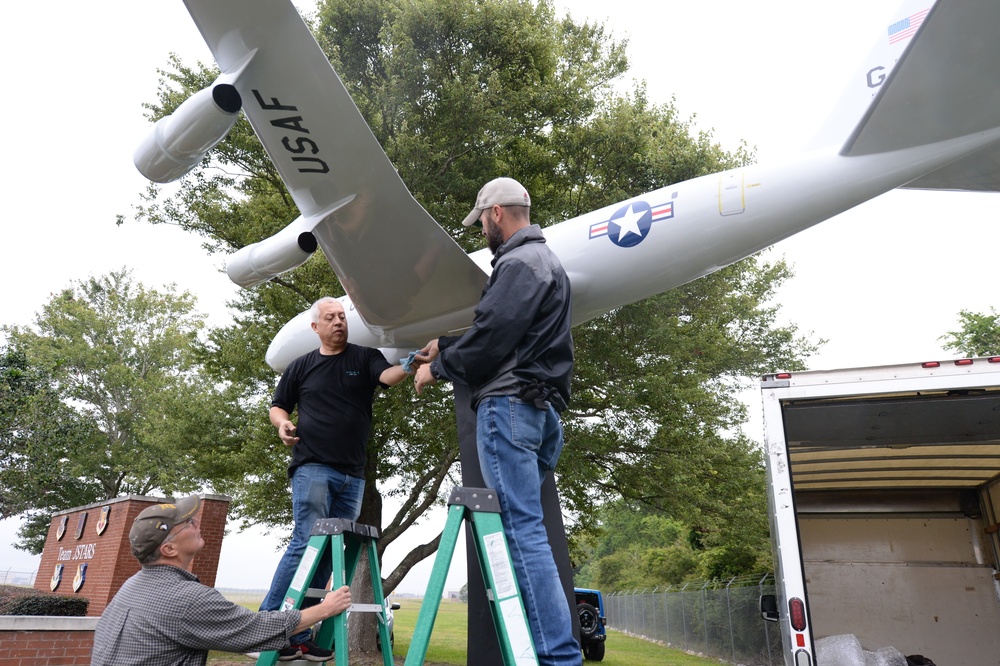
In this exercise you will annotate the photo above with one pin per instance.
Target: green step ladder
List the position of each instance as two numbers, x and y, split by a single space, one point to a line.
342 540
480 509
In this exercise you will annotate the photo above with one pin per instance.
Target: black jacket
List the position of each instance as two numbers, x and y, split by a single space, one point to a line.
520 334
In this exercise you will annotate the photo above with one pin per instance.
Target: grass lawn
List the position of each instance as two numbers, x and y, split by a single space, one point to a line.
448 642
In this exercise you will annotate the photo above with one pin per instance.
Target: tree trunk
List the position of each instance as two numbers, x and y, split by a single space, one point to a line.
362 628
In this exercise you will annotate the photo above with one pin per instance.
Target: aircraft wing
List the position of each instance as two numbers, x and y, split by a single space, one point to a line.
945 85
395 261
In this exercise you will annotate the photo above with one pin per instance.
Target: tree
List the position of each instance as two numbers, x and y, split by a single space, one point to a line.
979 334
40 438
105 401
457 93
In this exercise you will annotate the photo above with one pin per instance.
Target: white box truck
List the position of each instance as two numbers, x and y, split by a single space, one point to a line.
884 496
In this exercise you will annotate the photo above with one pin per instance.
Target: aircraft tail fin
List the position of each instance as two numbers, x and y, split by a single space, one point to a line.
934 78
891 42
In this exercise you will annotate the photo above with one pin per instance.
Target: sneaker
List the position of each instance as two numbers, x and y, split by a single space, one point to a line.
289 652
313 652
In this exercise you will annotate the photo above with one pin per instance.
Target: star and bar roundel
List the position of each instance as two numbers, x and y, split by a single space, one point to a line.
630 224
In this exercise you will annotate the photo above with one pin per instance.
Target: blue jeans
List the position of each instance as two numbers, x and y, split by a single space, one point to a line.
318 492
518 444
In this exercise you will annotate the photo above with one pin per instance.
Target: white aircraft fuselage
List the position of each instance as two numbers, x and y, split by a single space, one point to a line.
922 112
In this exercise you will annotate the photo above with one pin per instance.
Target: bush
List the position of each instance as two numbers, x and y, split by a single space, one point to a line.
26 601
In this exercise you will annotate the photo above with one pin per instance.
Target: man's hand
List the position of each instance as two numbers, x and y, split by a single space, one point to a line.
286 431
422 362
337 601
427 354
334 603
423 377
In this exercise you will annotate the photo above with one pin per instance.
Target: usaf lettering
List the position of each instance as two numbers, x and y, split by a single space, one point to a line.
296 145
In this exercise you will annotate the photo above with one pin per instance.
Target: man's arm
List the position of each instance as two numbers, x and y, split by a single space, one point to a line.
505 312
286 429
392 375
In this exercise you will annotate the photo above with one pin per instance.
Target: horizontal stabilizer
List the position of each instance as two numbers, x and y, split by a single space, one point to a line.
979 172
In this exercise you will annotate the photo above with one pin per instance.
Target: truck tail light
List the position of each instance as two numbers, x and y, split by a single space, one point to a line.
797 614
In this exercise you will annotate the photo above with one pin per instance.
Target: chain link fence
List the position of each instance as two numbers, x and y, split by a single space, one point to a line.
21 578
715 618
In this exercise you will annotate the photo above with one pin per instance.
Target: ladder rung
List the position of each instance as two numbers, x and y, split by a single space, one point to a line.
331 526
475 499
366 608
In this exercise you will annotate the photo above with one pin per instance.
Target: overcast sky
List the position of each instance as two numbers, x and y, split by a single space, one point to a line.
881 282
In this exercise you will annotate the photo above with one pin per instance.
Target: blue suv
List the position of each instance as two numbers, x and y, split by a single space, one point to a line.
590 606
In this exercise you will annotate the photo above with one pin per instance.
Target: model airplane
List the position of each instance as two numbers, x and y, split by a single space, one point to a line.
923 112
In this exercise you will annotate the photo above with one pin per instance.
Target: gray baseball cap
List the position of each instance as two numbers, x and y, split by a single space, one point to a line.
152 526
498 192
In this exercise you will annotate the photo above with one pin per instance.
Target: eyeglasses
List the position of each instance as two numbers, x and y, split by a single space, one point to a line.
189 521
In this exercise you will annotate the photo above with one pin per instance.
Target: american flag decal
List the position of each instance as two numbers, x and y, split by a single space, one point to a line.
904 29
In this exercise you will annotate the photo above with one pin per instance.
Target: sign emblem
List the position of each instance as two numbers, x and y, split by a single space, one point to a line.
81 524
102 524
62 528
56 577
81 576
630 224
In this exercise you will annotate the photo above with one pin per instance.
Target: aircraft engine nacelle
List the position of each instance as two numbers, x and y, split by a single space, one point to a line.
178 142
272 256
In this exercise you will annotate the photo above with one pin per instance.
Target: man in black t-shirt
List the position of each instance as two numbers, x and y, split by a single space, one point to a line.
333 388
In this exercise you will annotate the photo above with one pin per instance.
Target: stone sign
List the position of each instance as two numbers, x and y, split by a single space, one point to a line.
90 557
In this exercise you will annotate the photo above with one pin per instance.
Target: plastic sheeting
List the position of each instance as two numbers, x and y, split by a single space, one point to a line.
846 650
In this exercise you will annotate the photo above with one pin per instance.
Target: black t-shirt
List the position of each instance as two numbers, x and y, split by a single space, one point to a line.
334 396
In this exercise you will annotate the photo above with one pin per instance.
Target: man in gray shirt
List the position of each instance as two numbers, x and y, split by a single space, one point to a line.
163 616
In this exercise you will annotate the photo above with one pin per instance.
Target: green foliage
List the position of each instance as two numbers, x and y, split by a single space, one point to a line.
639 548
458 92
102 399
654 419
41 437
26 601
979 334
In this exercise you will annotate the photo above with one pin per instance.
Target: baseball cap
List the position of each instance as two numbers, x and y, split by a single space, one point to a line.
153 524
498 192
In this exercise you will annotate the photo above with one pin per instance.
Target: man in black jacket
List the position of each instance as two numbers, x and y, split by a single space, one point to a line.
517 360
